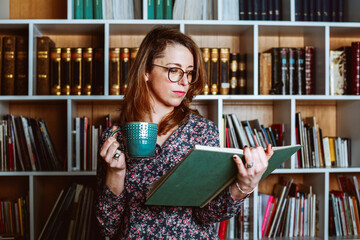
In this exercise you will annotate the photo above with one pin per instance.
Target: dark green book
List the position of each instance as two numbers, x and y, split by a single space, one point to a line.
151 9
159 9
203 174
168 9
88 9
98 9
79 9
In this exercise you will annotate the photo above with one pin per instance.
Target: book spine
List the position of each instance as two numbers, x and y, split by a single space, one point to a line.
242 73
43 65
299 10
87 71
88 9
347 69
214 68
264 10
309 70
159 9
265 73
271 7
334 10
151 9
8 71
65 71
250 9
242 10
98 71
205 52
98 9
277 10
257 9
79 9
275 72
326 14
233 73
306 10
114 71
224 71
55 71
340 10
336 70
292 72
284 52
21 66
312 11
355 68
76 69
300 71
124 61
318 10
168 9
1 60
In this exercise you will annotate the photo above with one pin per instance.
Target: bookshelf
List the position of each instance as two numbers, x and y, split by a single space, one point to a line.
337 115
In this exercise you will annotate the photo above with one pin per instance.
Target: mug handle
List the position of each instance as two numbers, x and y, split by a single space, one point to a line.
113 133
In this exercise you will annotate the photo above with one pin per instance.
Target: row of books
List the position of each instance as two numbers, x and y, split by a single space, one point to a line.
290 211
14 218
13 65
319 10
226 71
345 70
239 226
287 71
252 133
72 214
26 145
65 71
252 10
344 214
318 150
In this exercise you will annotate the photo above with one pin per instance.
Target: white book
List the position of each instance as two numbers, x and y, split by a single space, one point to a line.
77 144
306 216
293 217
326 149
313 216
352 214
230 10
107 8
179 9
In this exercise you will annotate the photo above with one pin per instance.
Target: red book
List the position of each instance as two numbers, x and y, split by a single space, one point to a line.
355 68
265 221
222 229
309 70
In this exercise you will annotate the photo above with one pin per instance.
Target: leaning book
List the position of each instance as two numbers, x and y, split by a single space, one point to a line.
203 174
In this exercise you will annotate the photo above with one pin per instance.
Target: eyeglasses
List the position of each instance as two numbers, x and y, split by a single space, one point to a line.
175 74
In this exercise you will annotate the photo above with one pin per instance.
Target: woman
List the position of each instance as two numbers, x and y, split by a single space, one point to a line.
167 74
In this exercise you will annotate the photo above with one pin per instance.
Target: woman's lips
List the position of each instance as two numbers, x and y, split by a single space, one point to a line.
179 93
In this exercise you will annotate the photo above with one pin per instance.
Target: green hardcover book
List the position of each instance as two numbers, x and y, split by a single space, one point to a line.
151 9
88 9
168 9
98 9
79 9
159 8
203 174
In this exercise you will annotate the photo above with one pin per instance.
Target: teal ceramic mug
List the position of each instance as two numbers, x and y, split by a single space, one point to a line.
139 139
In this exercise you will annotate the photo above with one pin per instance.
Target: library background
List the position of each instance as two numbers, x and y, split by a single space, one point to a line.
286 71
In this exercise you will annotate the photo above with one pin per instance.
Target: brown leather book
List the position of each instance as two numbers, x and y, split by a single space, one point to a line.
87 60
65 71
265 73
21 66
233 73
214 68
206 59
114 71
125 62
224 71
355 68
242 73
98 72
133 53
55 71
43 46
8 71
76 70
309 70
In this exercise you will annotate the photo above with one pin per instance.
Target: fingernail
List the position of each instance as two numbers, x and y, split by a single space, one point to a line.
245 146
234 156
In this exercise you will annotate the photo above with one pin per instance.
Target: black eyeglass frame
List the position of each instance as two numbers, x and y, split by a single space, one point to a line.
182 75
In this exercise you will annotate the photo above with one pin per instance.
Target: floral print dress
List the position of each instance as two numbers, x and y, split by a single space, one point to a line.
126 216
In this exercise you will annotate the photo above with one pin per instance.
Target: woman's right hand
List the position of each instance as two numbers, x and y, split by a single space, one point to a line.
108 151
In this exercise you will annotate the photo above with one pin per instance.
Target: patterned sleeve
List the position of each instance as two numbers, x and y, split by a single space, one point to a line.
223 206
109 207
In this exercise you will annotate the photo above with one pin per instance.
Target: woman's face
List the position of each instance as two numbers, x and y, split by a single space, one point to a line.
165 93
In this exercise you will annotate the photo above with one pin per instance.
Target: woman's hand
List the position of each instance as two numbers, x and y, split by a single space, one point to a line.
250 172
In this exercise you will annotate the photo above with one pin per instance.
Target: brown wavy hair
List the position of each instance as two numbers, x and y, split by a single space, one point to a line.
137 100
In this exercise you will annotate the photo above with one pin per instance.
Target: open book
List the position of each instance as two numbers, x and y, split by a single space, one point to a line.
203 174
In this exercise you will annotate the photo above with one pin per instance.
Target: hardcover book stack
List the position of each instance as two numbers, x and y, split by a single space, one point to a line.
290 211
68 71
344 208
13 65
319 150
26 145
72 215
225 70
14 219
345 70
287 71
319 10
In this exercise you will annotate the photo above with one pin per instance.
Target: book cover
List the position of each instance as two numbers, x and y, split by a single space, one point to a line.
79 9
265 73
299 10
284 72
355 68
76 71
88 9
125 62
299 84
8 68
233 73
151 9
214 68
224 71
242 73
168 9
65 71
205 52
318 10
337 72
55 71
87 70
114 71
276 82
43 46
200 177
242 10
98 9
21 66
309 70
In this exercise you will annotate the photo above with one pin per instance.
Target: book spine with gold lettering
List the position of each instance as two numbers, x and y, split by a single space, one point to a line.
224 71
21 66
114 71
133 54
8 80
233 73
65 71
87 61
98 72
242 73
43 45
214 68
125 62
206 59
55 71
76 71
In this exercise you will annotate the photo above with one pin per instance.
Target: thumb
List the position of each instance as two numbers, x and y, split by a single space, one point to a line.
269 151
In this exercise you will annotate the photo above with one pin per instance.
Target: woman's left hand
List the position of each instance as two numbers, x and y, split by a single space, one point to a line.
250 172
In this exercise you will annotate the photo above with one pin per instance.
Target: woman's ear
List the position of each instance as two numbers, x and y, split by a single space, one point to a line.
146 77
